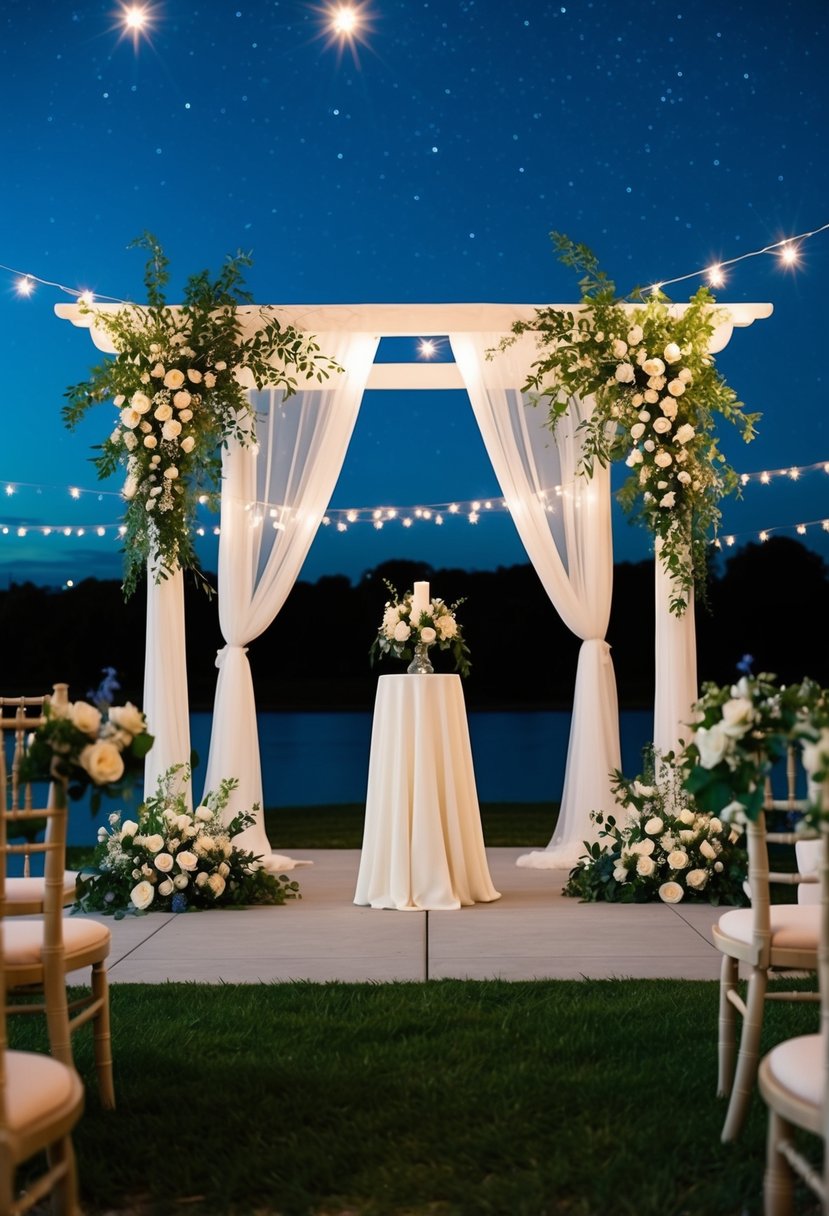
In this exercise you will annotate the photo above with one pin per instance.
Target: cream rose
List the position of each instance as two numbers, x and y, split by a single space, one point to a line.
708 851
142 895
86 718
678 859
634 458
645 866
163 412
194 375
166 887
619 348
187 444
171 429
653 367
128 828
174 378
150 441
651 396
663 459
712 743
676 388
130 417
635 335
668 500
637 431
696 879
154 843
672 353
209 380
737 716
172 473
662 425
668 407
182 399
671 893
158 371
163 862
685 433
181 881
185 415
103 762
683 478
128 717
625 373
216 884
186 860
447 626
428 635
654 825
401 631
140 402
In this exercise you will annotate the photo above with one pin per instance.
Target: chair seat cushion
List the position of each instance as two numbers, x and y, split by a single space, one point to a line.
25 890
36 1087
793 926
798 1065
23 940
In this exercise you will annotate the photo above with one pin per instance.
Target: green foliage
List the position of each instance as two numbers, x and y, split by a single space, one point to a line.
656 393
663 847
177 381
175 860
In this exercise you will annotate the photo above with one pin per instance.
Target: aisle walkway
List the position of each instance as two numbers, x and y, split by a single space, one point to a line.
532 932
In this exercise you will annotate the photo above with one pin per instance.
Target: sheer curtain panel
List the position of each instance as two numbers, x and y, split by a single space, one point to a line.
676 667
274 495
166 705
564 524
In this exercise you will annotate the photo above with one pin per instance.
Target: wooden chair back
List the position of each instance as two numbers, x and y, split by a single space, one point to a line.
18 717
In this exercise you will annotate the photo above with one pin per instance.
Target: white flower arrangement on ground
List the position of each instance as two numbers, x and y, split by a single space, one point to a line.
172 859
82 745
665 848
656 390
400 633
175 382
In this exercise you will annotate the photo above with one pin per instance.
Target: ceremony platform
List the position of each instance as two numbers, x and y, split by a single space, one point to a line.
532 932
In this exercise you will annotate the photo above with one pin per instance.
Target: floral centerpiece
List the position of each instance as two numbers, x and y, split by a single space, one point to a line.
665 848
177 384
404 627
173 859
80 745
656 390
743 730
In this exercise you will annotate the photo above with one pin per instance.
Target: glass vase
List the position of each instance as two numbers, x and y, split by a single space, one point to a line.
421 664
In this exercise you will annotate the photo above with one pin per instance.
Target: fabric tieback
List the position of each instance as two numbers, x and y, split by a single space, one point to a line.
221 655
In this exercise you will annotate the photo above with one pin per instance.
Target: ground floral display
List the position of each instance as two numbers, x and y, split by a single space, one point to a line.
399 632
174 860
175 382
661 847
656 391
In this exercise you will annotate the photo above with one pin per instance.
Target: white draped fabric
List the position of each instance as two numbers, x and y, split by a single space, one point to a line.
676 668
567 536
274 495
166 705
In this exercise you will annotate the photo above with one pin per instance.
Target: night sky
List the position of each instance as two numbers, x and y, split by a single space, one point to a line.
427 162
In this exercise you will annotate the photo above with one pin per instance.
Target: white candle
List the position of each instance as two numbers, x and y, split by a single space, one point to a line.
420 601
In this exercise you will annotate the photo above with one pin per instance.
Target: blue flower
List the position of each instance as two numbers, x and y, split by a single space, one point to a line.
179 902
745 664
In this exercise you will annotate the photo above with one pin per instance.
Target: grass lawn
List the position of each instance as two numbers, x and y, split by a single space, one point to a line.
590 1098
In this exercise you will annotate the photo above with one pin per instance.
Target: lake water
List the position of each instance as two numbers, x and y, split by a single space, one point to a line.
313 759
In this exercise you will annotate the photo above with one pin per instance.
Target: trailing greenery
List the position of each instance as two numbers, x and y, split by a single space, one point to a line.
178 381
450 1098
657 392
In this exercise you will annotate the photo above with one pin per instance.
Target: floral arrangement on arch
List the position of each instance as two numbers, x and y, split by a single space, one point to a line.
176 382
657 392
665 848
400 633
83 746
743 730
173 860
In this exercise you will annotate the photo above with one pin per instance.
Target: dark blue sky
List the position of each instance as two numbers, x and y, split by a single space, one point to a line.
664 135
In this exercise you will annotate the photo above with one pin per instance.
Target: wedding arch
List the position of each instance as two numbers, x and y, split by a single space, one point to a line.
275 493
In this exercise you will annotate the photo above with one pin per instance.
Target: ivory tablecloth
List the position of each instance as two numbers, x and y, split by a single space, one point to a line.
423 846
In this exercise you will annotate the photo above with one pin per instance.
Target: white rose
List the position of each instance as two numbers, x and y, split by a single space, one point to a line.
625 373
634 458
637 400
678 859
86 718
428 635
654 826
708 851
663 459
221 365
686 816
145 427
645 866
193 375
712 743
128 828
671 892
715 825
209 380
130 487
685 433
115 437
687 835
620 873
150 441
171 429
676 388
182 399
165 887
142 895
668 407
102 761
643 848
216 884
172 473
619 348
657 382
154 843
683 478
187 860
163 862
661 425
130 440
737 716
119 400
668 500
401 631
181 881
187 444
635 335
637 430
649 446
696 879
130 417
128 717
201 879
140 402
684 375
203 814
163 412
185 415
651 396
672 353
158 371
174 378
653 367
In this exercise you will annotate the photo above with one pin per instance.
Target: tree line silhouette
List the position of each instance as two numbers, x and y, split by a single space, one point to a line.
770 601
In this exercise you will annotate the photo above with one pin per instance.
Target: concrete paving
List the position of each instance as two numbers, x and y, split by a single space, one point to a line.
532 932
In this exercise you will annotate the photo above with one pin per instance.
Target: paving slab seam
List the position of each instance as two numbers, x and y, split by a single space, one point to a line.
690 925
137 946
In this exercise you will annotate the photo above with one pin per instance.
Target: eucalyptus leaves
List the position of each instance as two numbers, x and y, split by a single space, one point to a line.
657 391
175 382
